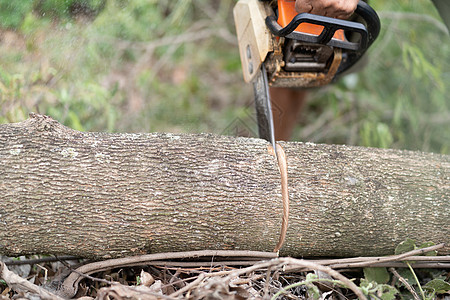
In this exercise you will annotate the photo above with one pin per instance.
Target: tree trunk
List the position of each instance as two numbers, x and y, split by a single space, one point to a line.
104 195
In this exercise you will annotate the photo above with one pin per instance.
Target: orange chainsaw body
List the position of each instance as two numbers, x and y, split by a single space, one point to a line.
286 12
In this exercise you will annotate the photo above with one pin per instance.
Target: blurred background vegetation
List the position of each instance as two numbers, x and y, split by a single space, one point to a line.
173 66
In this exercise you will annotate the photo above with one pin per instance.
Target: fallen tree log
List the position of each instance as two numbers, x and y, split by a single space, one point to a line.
104 195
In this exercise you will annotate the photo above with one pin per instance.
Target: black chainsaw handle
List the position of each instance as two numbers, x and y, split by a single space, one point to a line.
368 32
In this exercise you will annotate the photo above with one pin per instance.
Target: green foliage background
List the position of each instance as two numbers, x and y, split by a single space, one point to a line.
146 65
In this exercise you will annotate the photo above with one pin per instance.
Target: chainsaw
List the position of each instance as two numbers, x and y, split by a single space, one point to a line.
281 48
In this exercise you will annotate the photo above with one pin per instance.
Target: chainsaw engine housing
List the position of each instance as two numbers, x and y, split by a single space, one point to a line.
289 63
298 50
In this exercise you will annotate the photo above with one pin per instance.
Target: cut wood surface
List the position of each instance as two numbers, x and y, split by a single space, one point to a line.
105 195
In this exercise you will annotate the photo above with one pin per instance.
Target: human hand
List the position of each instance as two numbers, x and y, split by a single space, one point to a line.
341 9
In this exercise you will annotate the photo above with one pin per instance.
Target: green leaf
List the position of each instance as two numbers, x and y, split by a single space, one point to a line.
365 285
428 244
438 285
387 292
405 246
379 275
379 291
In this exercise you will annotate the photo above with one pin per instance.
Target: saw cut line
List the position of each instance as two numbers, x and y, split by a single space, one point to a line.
282 166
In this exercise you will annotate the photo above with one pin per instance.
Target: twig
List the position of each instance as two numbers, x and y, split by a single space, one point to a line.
45 272
334 274
415 17
189 286
360 262
266 286
18 283
70 284
87 276
175 280
285 261
113 283
417 280
407 285
187 264
188 37
422 262
431 265
39 260
197 269
402 256
376 258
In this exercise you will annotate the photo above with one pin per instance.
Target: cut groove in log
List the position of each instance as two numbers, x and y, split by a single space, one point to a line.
104 195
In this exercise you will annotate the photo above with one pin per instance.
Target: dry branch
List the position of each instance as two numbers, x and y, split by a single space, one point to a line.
21 284
101 195
70 285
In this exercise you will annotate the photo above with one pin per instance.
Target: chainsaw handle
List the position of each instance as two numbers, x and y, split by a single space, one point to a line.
370 17
331 25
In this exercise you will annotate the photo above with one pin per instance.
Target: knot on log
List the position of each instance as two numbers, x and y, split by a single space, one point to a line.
43 123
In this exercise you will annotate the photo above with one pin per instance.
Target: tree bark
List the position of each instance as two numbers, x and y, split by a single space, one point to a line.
104 195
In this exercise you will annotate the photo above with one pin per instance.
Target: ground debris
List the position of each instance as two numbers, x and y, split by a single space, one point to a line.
219 275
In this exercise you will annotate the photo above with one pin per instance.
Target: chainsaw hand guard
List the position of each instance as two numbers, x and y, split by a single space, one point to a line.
367 32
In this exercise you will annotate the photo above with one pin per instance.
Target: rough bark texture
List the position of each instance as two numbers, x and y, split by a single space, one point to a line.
108 195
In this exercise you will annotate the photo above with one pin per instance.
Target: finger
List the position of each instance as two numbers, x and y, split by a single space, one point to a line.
342 16
341 9
302 6
334 8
